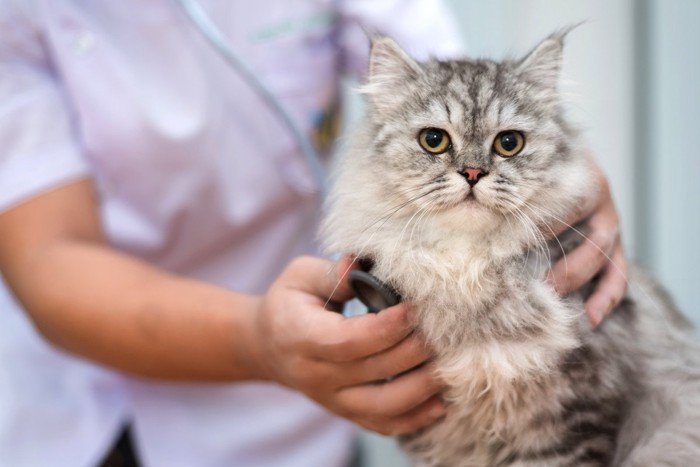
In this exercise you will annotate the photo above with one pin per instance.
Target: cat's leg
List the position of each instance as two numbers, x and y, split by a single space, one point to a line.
666 450
675 444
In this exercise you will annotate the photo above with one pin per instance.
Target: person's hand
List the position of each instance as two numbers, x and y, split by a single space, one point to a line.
370 369
600 255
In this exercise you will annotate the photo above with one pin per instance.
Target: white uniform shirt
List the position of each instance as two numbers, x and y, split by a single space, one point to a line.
195 175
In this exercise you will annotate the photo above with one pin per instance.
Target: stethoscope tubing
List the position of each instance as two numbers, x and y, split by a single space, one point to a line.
223 47
359 280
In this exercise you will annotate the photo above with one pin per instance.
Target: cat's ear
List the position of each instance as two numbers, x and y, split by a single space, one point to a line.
543 64
389 63
390 68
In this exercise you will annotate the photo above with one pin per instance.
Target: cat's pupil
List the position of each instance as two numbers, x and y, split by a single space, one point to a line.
509 141
433 138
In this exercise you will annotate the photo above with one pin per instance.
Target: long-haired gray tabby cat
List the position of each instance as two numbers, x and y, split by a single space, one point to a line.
454 171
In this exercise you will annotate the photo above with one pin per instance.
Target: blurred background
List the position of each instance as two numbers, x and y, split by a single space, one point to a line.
632 72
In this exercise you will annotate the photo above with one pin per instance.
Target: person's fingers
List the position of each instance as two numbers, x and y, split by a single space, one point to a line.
385 401
609 290
323 335
581 212
341 269
320 278
422 416
578 267
358 337
406 355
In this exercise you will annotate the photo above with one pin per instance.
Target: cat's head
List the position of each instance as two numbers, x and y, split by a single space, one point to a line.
473 145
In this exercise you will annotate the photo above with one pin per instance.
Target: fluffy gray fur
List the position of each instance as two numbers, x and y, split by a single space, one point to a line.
529 382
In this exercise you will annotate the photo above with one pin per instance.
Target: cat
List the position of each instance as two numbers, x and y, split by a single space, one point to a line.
443 191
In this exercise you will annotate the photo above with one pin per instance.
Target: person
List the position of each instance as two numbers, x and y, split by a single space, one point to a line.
159 268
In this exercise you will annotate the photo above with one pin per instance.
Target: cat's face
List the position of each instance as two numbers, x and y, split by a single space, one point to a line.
476 142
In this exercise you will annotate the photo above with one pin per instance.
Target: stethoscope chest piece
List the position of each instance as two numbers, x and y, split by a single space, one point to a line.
372 292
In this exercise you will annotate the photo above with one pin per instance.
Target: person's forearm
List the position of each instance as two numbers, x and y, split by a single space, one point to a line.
116 310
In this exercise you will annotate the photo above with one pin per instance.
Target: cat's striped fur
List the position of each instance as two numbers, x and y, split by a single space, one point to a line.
529 382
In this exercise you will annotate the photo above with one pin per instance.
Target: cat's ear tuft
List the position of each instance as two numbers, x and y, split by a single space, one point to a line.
390 68
543 64
389 63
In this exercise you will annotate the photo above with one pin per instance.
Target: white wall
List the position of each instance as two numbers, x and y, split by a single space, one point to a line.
670 137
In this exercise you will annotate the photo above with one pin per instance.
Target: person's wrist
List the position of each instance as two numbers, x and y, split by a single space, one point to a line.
249 341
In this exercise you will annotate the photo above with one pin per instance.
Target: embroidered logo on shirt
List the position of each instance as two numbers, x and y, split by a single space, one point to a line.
291 26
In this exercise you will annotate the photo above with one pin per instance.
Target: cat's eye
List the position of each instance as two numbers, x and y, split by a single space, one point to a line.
509 143
434 140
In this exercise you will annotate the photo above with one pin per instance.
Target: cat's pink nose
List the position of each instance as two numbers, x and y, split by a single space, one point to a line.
473 175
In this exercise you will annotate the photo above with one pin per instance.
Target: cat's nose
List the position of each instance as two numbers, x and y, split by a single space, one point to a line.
473 175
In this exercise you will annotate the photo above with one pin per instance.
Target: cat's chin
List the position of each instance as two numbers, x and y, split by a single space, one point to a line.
478 201
474 205
476 209
471 215
470 200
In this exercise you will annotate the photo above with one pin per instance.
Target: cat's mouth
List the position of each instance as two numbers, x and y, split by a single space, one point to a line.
474 201
470 197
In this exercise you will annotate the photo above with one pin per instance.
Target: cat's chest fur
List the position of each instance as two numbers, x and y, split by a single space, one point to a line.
477 298
499 334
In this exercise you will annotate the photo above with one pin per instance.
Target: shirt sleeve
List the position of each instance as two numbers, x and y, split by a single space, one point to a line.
38 148
423 28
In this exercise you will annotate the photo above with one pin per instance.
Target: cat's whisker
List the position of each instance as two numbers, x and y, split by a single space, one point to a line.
541 221
655 303
367 242
561 247
608 258
430 208
429 211
539 243
337 284
526 227
421 245
585 237
394 209
510 226
403 232
542 244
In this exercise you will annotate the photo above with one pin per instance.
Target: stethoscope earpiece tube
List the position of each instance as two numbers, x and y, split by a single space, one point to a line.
213 35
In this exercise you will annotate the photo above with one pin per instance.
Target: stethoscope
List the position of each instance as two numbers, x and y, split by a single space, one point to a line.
203 23
374 294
